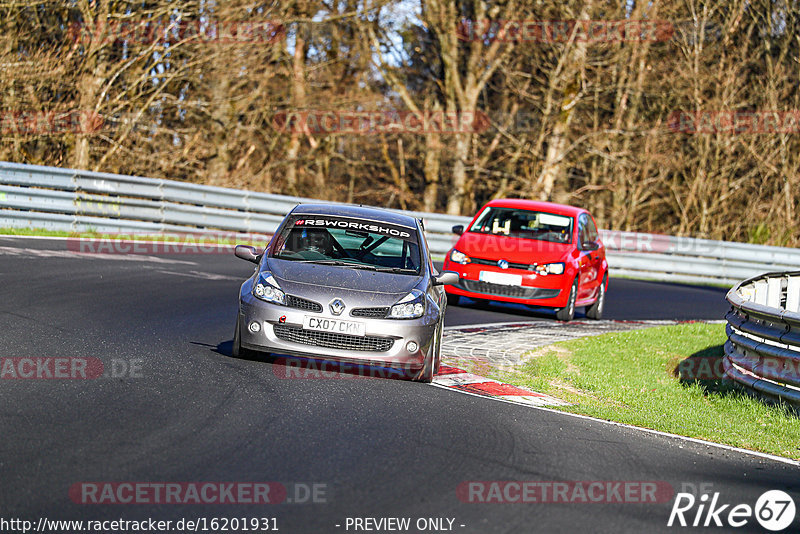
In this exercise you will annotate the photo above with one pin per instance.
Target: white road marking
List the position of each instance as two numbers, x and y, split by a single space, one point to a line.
45 253
201 275
763 455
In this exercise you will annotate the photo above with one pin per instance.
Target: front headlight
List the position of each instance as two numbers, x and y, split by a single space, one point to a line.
459 257
266 288
409 307
548 268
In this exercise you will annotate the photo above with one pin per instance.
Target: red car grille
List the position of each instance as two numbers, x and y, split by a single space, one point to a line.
481 261
501 290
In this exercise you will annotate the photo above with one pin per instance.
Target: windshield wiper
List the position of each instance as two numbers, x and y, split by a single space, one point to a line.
342 263
399 270
321 262
354 265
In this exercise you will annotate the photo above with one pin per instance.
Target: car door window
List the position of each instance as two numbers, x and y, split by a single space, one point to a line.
591 229
582 230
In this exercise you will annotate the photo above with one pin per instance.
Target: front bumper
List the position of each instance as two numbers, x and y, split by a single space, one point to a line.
385 343
536 290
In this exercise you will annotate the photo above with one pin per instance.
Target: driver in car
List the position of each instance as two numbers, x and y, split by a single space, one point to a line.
316 240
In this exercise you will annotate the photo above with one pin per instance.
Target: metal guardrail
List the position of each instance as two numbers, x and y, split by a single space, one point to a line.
763 348
52 198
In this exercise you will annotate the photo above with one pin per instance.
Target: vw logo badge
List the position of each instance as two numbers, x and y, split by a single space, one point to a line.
336 306
503 264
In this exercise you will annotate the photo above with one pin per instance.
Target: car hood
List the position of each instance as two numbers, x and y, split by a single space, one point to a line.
512 249
321 282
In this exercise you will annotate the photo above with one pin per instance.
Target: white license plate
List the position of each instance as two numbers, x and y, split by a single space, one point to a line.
500 278
338 326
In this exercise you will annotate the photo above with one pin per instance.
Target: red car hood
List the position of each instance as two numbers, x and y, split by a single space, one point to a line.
511 249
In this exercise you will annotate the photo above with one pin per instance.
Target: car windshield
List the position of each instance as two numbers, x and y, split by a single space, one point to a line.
525 224
350 243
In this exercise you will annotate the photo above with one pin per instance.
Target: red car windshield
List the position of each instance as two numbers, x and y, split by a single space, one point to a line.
524 224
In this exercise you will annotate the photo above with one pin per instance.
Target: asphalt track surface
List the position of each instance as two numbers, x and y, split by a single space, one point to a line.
381 448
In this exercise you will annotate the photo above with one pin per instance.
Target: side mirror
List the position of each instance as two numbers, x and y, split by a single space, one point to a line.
590 246
247 252
447 278
458 229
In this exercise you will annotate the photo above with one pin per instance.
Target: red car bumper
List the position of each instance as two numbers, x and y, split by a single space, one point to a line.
536 290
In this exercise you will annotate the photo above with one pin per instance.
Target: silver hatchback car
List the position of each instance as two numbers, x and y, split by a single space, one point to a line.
348 283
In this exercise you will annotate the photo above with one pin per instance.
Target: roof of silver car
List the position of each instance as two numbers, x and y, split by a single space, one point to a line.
357 212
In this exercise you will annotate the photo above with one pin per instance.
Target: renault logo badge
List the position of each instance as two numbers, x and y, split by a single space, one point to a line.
503 264
336 306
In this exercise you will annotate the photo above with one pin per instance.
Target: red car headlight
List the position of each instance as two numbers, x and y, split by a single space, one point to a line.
459 257
548 268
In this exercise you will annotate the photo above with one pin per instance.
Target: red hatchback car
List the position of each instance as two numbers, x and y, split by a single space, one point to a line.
535 253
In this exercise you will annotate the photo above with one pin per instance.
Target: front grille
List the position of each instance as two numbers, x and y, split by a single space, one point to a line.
501 290
370 312
332 340
303 304
481 261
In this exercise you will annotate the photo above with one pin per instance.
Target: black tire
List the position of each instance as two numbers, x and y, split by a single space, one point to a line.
438 364
567 313
595 311
453 300
433 361
237 351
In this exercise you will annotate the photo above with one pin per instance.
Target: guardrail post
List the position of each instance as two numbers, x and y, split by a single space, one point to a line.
761 292
793 294
774 292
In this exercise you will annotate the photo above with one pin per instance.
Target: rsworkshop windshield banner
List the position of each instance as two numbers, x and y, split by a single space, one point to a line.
344 223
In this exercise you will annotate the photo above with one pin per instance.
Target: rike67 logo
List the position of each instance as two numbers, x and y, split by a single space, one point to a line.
774 510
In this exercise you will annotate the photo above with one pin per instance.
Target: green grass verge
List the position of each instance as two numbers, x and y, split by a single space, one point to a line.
36 232
640 378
